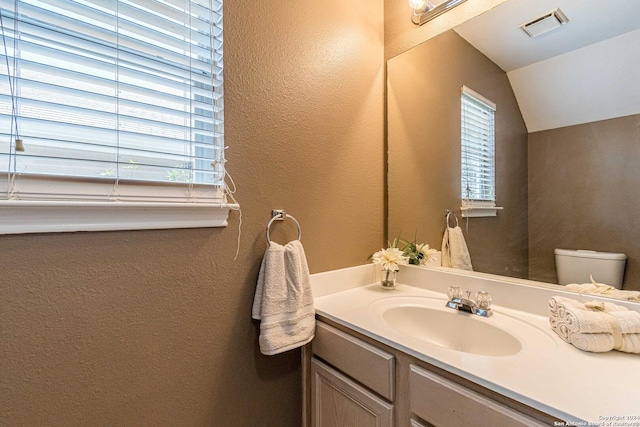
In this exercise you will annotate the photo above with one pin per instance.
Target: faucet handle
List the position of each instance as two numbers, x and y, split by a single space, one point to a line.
454 292
483 300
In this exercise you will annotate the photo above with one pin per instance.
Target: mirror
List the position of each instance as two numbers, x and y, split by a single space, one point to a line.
567 135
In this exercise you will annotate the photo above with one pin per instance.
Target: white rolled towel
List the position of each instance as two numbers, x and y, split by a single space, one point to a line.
595 288
591 317
630 343
595 326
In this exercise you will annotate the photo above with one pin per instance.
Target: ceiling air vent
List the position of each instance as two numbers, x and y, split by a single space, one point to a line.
545 23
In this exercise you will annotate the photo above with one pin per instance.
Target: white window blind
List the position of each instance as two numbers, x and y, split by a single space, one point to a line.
115 101
477 148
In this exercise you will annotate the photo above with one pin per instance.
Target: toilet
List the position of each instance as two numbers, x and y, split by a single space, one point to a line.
576 267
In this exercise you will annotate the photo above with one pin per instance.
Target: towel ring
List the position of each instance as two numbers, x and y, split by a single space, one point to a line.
448 214
281 216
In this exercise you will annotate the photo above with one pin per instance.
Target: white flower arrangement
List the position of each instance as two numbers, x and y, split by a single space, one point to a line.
396 255
419 253
390 259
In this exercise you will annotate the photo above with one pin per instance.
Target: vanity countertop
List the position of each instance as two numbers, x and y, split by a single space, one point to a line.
559 379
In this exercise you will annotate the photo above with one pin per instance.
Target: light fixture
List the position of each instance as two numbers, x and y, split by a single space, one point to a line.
425 10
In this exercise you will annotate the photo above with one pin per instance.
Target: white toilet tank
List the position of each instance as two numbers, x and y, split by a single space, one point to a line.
577 266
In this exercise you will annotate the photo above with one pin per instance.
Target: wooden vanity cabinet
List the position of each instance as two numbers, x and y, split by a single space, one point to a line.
354 381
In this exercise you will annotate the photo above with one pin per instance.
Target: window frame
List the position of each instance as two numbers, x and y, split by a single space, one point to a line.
143 205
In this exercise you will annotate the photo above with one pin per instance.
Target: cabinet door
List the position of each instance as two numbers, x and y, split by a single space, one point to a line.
338 401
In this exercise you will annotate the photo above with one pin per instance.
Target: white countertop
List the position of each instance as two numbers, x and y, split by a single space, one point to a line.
548 374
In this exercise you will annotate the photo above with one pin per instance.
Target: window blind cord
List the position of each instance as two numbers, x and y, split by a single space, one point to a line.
190 188
191 119
114 196
14 144
230 191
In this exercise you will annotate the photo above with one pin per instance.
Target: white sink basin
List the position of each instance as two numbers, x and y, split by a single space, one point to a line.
452 329
429 321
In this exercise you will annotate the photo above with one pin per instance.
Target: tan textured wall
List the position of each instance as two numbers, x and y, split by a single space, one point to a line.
423 95
153 327
400 34
583 187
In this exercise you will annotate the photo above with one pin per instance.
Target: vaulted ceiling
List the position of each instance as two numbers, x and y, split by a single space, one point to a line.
586 70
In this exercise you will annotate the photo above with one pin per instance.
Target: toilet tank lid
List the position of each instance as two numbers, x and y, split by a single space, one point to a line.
581 253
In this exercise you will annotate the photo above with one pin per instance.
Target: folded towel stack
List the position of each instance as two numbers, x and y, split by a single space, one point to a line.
595 326
283 301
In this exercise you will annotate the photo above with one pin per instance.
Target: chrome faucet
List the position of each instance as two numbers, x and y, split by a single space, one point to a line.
481 306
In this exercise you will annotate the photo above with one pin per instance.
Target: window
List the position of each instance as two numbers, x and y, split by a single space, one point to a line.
115 101
478 181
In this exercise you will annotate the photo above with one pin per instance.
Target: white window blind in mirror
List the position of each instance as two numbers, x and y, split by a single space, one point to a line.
477 154
114 101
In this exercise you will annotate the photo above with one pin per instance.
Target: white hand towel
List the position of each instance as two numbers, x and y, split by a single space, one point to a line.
595 326
455 253
283 301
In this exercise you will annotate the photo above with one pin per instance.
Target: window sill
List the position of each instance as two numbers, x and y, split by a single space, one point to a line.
21 217
479 211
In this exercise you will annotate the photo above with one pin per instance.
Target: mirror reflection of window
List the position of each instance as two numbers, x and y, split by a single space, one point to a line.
478 170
